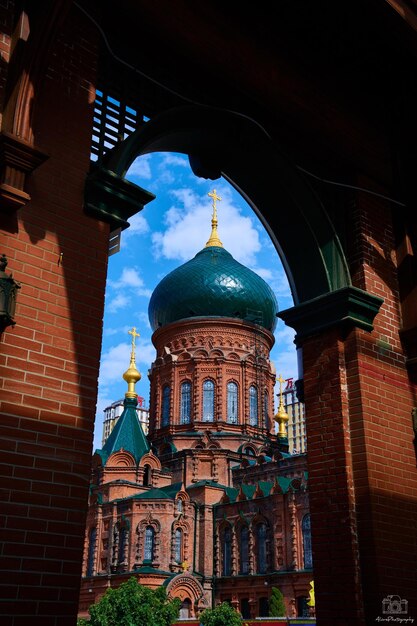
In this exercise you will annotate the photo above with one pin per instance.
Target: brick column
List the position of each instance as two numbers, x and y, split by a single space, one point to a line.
325 332
337 571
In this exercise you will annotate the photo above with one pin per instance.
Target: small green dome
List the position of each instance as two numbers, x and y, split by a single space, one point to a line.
213 284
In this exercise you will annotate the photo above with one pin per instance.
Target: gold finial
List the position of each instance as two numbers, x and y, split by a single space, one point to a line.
281 416
131 375
214 239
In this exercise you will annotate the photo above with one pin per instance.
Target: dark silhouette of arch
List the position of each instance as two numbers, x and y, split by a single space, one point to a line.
228 144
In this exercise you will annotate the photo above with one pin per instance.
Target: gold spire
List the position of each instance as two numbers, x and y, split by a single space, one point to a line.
131 375
281 416
214 237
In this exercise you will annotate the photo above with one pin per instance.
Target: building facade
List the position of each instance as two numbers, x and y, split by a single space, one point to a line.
296 426
210 504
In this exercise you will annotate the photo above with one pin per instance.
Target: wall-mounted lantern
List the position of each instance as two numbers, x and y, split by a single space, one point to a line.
8 295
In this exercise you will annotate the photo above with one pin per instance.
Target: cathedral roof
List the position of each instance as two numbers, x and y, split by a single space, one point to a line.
168 492
127 434
213 284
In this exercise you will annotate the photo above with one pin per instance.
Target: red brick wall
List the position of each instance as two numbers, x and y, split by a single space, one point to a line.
382 398
362 464
49 361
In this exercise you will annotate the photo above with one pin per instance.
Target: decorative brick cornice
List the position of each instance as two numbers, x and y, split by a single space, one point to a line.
347 307
18 158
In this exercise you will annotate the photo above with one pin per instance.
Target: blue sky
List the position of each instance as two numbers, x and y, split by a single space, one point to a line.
169 231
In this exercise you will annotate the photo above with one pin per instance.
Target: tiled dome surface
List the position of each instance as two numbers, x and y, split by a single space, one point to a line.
213 284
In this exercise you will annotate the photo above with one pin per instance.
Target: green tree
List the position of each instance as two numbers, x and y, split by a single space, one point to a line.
222 615
132 604
277 604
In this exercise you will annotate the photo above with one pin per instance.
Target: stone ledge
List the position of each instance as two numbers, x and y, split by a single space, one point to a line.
346 307
113 199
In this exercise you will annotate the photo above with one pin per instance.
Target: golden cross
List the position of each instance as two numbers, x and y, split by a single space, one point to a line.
134 335
215 197
280 380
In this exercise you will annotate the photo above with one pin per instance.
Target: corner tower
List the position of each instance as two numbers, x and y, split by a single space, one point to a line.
212 381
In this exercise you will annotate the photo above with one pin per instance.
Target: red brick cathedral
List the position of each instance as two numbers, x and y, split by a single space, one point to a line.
311 117
210 505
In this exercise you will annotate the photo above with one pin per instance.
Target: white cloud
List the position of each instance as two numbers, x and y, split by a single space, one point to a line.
174 160
142 316
189 226
145 354
138 226
130 279
109 332
140 168
116 360
113 363
263 272
118 302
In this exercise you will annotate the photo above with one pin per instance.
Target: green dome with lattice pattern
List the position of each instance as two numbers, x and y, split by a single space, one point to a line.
213 284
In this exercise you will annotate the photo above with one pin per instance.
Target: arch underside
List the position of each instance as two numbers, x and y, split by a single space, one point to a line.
223 143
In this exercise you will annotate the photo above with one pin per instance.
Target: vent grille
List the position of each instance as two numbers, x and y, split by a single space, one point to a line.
113 121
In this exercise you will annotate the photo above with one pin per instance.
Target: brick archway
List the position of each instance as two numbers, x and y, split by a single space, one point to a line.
185 587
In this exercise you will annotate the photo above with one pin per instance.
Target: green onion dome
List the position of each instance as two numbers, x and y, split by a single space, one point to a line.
213 284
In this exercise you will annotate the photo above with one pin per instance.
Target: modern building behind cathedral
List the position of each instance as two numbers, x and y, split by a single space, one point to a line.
210 503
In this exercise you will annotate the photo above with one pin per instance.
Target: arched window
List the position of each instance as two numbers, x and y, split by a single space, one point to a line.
208 401
122 545
179 505
266 409
166 405
178 546
261 540
249 452
147 476
244 550
232 412
92 537
227 552
185 413
306 530
149 544
253 406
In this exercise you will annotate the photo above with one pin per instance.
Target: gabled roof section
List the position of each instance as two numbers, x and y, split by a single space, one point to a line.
127 434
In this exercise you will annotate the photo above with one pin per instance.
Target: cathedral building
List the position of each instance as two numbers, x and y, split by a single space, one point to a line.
209 504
